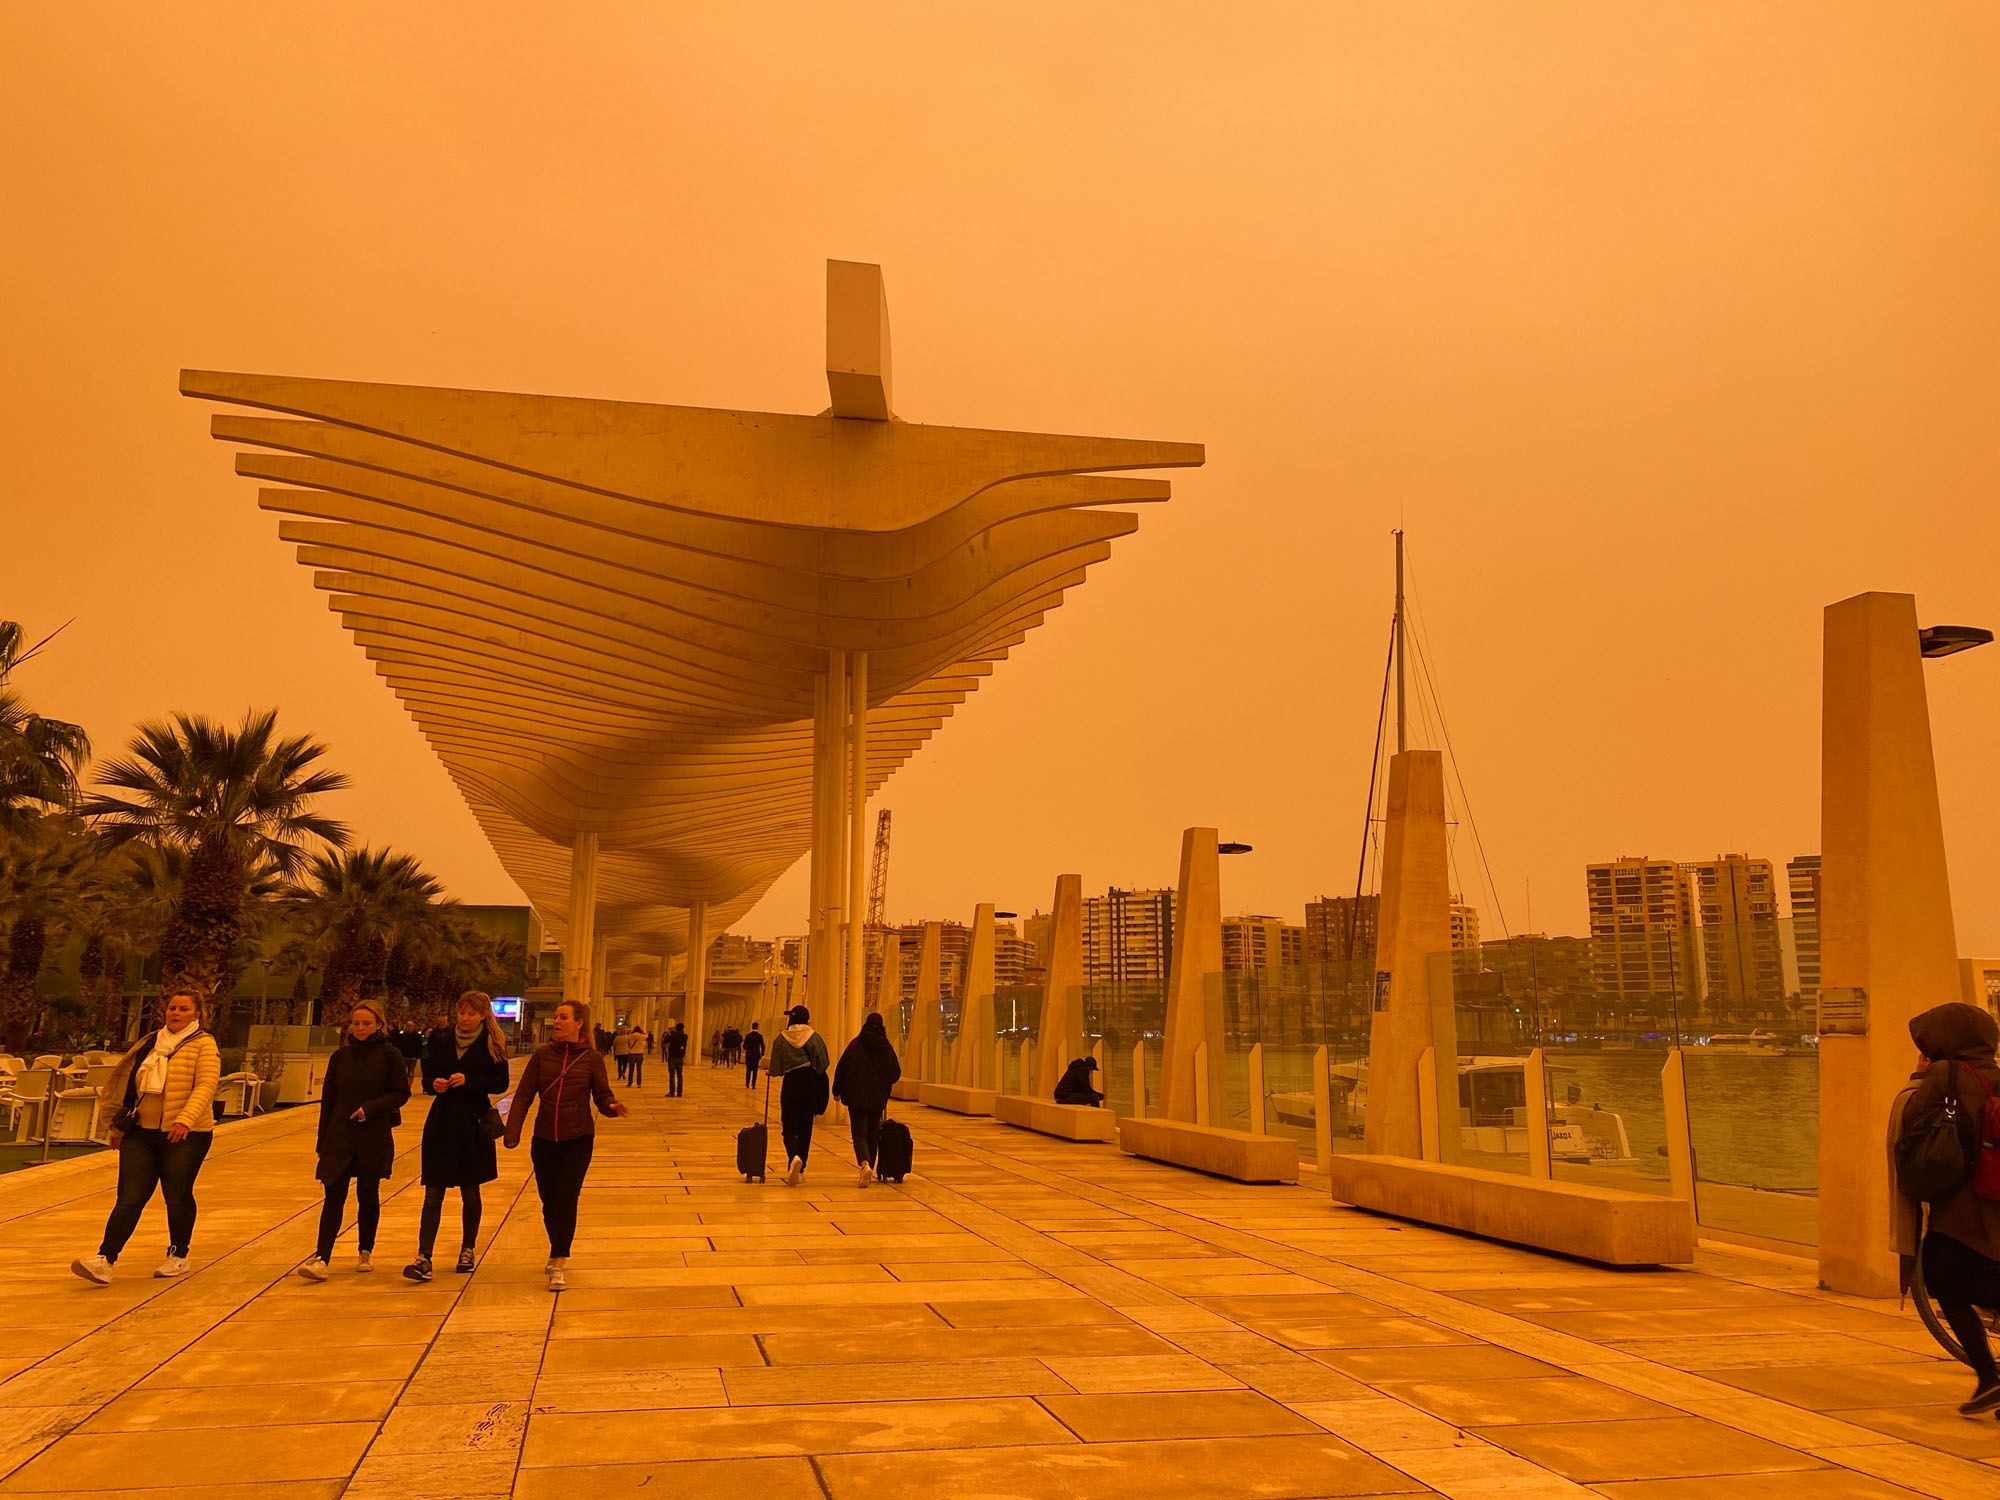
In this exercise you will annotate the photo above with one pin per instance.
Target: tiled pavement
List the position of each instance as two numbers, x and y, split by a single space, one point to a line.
1024 1318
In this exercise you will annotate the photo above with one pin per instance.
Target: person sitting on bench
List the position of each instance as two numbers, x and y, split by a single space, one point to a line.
1074 1086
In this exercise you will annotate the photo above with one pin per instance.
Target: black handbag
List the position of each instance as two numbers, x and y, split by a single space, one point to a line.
491 1124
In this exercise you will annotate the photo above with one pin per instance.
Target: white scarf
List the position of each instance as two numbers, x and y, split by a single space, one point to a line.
152 1074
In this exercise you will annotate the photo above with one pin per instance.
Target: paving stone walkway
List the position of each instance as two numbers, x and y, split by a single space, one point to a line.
1025 1318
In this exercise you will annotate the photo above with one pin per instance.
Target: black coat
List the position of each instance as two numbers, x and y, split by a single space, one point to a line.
753 1046
454 1152
373 1077
1074 1086
868 1069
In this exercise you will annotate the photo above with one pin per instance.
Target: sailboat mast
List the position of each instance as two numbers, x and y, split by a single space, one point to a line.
1402 715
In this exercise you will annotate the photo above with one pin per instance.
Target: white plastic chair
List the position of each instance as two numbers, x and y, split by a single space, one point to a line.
74 1113
31 1093
237 1093
49 1060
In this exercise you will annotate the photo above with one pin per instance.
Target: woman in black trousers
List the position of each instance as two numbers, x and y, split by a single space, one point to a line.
360 1105
568 1077
868 1070
464 1065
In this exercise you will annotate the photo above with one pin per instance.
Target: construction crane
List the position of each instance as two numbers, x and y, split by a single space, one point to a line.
878 877
878 893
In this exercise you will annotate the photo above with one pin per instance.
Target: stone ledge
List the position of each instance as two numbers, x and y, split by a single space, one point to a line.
1070 1122
1607 1225
905 1088
957 1098
1210 1148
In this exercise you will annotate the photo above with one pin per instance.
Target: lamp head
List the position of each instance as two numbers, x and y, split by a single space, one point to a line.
1949 640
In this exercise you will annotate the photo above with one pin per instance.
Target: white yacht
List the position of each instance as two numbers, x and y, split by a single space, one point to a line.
1744 1044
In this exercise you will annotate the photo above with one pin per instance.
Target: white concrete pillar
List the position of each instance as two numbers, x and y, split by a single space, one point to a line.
1060 1034
1413 1003
696 984
924 1032
1885 918
1322 1108
972 1058
581 928
1535 1113
852 997
1680 1140
1194 995
600 986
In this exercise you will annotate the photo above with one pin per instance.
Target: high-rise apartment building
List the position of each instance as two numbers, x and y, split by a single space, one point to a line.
1802 877
1742 958
1464 927
1013 956
1341 929
1261 943
1642 919
1128 936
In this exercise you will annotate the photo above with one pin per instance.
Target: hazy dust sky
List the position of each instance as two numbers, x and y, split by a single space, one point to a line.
1659 326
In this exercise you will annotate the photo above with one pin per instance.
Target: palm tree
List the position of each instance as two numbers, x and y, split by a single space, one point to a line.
238 802
45 867
39 757
356 906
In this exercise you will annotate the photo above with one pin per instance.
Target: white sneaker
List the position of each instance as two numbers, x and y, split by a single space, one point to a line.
558 1278
365 1261
93 1268
862 1176
794 1172
172 1266
314 1269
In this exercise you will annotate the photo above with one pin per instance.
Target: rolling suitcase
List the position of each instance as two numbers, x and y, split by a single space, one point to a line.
753 1142
894 1155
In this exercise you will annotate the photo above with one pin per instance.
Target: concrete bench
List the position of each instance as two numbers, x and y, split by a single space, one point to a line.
1209 1148
1072 1122
1609 1225
905 1088
957 1098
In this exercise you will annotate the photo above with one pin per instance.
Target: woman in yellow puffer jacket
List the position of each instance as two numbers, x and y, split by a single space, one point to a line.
163 1091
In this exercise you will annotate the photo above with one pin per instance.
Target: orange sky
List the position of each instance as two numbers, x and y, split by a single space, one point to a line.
1659 326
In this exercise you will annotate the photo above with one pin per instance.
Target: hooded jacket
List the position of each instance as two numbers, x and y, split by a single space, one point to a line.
1074 1087
1945 1034
798 1047
868 1069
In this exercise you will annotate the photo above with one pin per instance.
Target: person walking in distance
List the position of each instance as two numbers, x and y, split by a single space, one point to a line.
677 1056
798 1058
366 1086
464 1066
161 1100
636 1061
1960 1243
868 1070
753 1054
567 1076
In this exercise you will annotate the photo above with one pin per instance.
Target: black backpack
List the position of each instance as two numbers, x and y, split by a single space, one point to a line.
1931 1163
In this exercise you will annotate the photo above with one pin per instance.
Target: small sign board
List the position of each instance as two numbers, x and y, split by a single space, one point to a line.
1843 1012
1381 989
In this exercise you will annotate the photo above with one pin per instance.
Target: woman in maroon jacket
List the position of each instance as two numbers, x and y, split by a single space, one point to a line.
568 1076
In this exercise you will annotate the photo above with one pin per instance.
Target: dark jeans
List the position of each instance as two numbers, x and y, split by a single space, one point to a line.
865 1126
675 1085
624 1061
559 1172
468 1217
637 1068
148 1160
1963 1281
750 1072
367 1212
795 1115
